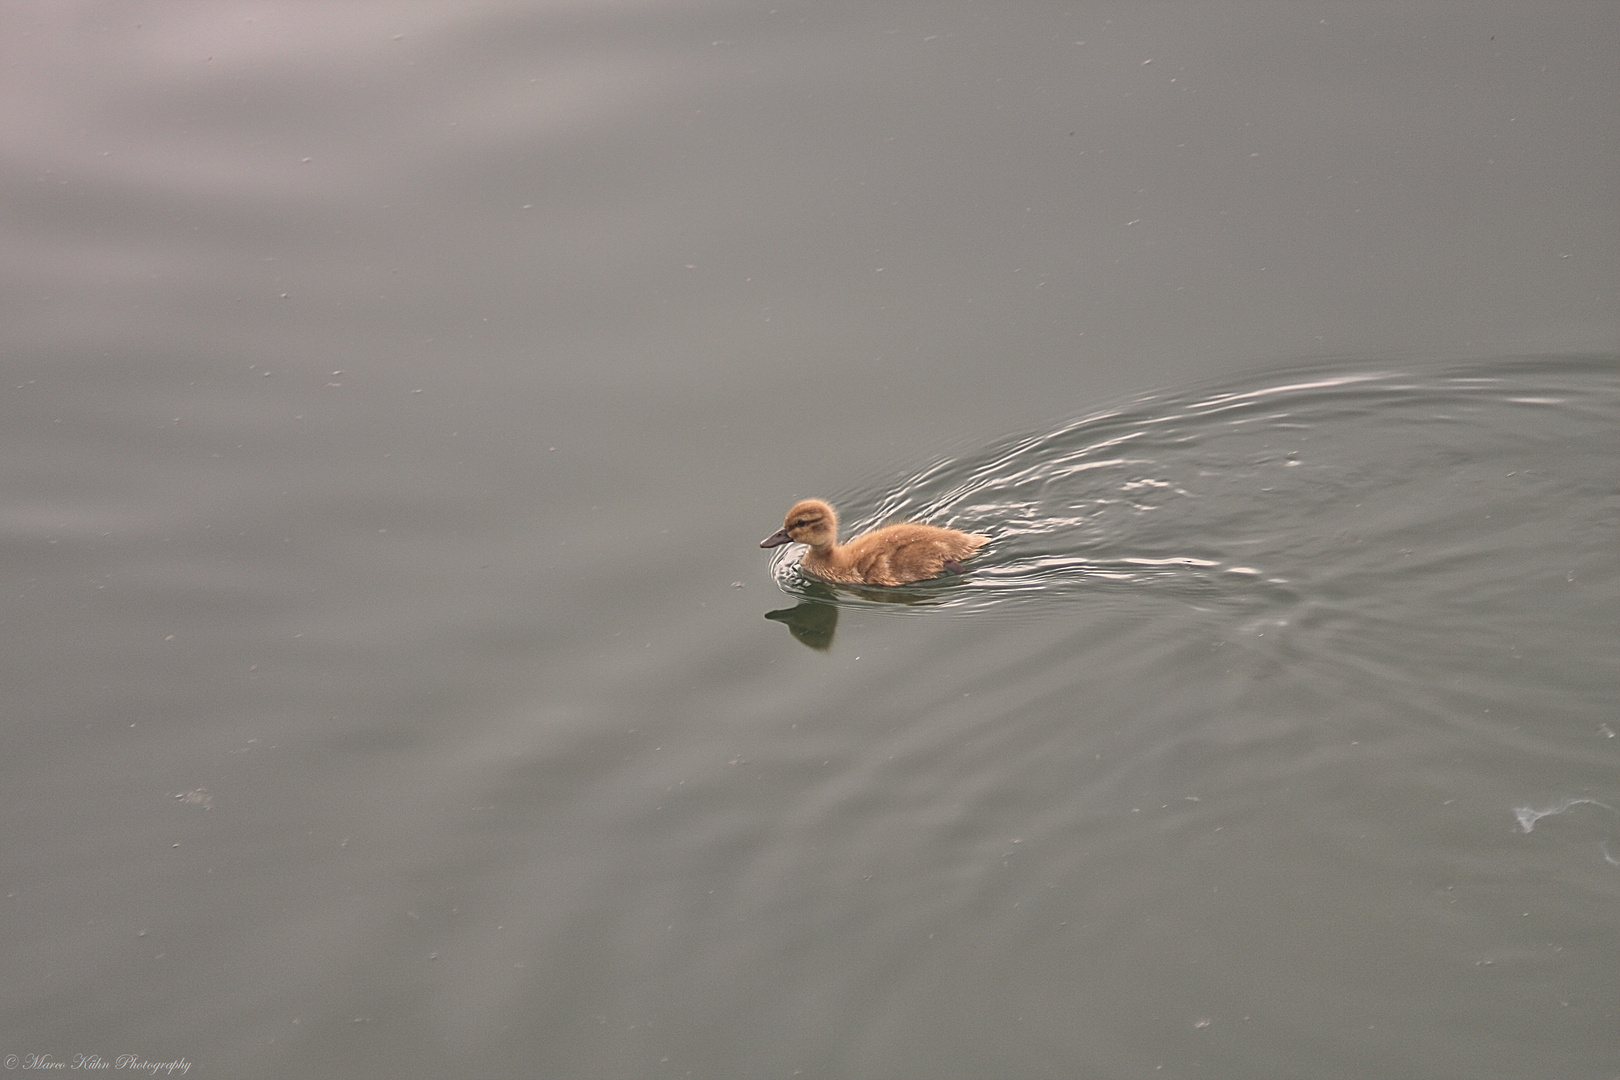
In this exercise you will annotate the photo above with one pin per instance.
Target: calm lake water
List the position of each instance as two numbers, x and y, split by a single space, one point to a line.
394 396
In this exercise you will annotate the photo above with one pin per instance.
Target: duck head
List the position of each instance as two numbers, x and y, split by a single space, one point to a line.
809 522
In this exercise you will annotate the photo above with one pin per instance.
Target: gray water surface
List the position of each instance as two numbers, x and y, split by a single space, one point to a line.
394 396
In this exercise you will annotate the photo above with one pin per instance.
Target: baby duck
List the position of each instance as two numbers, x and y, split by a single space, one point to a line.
892 555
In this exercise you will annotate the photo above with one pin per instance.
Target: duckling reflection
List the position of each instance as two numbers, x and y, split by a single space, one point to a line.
811 622
897 554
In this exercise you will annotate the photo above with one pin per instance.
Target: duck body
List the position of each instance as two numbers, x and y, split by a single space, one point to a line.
893 555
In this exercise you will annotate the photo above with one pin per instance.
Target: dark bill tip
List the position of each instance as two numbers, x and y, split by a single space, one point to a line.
776 539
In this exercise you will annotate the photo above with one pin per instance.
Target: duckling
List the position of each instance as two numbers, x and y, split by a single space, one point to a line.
892 555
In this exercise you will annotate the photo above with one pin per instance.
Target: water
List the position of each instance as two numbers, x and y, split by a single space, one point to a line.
394 398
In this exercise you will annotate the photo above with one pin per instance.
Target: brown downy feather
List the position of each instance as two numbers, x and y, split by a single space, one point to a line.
893 555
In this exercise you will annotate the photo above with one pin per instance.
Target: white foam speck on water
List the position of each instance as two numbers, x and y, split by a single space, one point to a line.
1528 815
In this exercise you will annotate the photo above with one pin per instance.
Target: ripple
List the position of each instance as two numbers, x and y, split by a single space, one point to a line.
1274 487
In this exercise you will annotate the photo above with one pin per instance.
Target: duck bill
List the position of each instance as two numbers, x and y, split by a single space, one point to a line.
776 539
